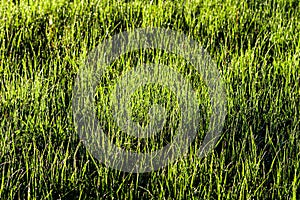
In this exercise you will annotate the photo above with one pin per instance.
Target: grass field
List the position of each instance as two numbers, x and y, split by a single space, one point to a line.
256 45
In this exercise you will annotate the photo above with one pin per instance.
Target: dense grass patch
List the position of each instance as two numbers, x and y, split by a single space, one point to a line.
256 45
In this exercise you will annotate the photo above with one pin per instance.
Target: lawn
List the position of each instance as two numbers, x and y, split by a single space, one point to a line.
256 47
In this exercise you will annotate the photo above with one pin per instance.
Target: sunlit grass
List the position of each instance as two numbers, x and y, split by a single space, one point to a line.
256 45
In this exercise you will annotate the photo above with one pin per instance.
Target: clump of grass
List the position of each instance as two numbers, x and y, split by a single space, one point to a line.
256 47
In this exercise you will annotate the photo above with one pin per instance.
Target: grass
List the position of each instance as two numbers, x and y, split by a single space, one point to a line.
256 45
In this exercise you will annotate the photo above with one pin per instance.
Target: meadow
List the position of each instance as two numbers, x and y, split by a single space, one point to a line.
256 46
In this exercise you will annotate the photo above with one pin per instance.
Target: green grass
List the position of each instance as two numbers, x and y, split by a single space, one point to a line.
256 45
